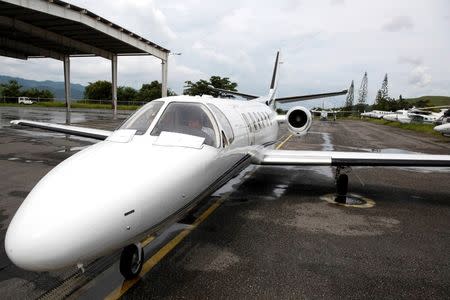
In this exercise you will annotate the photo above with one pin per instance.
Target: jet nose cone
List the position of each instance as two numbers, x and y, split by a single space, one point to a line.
23 249
14 248
34 242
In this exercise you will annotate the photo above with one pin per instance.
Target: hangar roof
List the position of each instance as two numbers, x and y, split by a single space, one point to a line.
54 28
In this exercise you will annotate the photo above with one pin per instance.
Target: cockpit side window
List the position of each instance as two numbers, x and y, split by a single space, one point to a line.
187 118
226 125
143 118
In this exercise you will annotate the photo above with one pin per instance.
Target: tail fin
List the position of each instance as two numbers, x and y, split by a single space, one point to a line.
274 82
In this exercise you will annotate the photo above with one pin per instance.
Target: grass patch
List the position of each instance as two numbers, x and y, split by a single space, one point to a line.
424 128
431 100
73 105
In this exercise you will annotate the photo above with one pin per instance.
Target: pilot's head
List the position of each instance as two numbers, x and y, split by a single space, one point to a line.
194 119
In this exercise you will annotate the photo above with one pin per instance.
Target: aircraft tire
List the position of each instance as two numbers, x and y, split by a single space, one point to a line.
131 261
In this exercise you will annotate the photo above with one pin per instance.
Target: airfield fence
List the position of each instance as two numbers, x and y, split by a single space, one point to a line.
5 99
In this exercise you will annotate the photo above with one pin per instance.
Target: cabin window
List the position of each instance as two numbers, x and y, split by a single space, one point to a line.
143 118
258 122
263 119
223 121
253 121
188 118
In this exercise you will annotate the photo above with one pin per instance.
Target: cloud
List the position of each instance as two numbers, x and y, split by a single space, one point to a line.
398 23
414 61
337 2
211 53
420 77
324 44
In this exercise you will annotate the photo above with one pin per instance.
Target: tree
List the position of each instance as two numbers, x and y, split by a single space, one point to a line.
11 89
384 87
378 98
423 103
350 96
202 87
362 94
402 103
37 93
98 90
151 91
126 93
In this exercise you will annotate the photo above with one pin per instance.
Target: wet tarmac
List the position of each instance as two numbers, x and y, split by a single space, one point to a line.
276 233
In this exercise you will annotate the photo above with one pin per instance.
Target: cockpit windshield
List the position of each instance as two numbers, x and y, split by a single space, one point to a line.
187 118
143 118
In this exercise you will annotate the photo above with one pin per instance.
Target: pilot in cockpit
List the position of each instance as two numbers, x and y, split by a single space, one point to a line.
200 125
186 118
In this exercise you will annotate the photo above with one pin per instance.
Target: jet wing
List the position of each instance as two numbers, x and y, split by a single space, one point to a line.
336 158
309 97
69 129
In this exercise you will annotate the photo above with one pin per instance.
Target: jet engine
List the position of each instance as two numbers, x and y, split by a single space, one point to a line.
299 120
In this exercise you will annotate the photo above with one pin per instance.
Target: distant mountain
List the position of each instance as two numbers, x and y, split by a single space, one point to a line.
56 87
430 100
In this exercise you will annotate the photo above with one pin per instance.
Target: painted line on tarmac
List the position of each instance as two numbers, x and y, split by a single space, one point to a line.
152 261
283 142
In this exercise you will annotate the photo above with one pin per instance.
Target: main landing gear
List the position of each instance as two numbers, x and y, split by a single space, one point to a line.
341 184
131 261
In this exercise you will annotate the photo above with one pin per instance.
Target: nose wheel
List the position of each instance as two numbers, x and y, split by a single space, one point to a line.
131 261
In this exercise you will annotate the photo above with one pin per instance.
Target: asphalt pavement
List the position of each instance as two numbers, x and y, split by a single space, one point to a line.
275 234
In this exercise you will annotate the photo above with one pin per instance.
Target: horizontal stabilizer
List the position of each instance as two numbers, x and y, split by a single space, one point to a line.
309 97
97 134
246 96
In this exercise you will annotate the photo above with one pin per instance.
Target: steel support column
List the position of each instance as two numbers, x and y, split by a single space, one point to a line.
164 68
114 83
67 86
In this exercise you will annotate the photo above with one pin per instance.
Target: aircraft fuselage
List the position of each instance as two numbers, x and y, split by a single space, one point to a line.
119 190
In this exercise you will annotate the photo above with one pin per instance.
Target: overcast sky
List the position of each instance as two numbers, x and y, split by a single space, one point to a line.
324 45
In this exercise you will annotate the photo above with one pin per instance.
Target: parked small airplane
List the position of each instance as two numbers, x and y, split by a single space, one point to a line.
416 115
325 113
167 156
444 129
377 114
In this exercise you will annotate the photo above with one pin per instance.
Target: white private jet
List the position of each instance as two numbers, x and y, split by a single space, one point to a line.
167 156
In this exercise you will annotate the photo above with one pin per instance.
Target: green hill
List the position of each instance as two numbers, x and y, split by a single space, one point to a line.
56 87
429 101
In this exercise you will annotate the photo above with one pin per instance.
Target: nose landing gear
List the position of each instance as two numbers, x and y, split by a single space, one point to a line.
131 261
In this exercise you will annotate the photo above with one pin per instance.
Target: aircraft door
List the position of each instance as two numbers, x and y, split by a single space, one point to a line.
225 158
248 129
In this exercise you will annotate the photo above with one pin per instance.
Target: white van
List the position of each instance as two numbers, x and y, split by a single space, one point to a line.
25 100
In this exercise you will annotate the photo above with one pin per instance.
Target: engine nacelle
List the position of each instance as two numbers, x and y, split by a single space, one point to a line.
299 120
